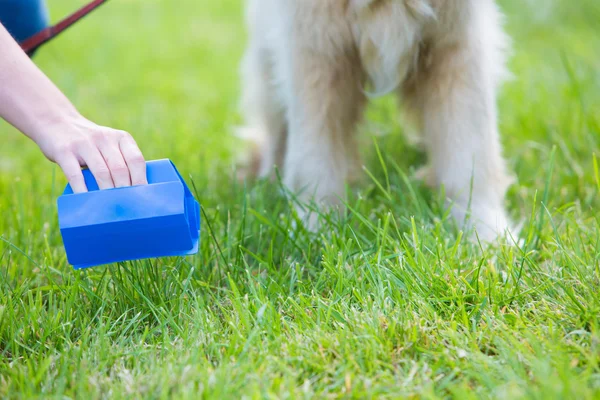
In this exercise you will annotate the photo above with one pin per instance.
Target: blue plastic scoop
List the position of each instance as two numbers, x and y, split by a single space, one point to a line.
105 226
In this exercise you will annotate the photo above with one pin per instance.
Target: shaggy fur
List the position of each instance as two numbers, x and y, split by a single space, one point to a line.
311 64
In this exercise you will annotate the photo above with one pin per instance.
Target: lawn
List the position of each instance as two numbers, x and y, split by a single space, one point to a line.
392 303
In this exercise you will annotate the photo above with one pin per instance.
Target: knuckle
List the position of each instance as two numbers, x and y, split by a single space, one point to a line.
81 144
65 148
120 169
102 173
115 135
98 136
123 134
73 176
137 159
128 138
62 151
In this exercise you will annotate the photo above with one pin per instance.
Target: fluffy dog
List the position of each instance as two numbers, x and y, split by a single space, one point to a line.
310 65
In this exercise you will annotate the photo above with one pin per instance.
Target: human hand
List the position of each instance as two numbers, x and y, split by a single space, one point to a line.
112 155
36 107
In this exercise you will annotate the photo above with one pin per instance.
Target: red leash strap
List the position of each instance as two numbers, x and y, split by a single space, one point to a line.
31 44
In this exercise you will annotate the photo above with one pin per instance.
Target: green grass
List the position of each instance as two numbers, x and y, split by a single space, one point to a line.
394 303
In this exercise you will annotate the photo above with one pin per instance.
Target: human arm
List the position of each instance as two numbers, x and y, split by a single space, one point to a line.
34 105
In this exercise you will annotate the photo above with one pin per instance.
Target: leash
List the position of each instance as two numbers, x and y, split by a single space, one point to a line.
32 43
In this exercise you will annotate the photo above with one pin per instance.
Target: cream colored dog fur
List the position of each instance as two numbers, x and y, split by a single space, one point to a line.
311 64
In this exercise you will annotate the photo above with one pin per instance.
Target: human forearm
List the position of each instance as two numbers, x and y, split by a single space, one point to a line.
28 99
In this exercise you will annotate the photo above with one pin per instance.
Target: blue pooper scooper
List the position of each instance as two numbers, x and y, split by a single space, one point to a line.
105 226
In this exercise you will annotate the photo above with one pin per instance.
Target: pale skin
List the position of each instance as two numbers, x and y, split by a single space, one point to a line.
35 106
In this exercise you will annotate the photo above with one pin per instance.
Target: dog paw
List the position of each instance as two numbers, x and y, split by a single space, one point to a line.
248 161
488 224
307 219
495 230
425 174
319 218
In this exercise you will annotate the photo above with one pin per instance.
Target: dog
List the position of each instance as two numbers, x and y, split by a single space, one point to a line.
311 65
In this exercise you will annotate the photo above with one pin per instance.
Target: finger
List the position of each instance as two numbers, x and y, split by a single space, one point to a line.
115 163
134 159
95 162
72 171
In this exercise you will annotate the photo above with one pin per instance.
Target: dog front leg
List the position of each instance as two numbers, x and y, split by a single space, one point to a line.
455 94
325 102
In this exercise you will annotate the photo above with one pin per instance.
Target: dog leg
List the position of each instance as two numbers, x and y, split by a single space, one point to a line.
325 104
264 115
455 93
